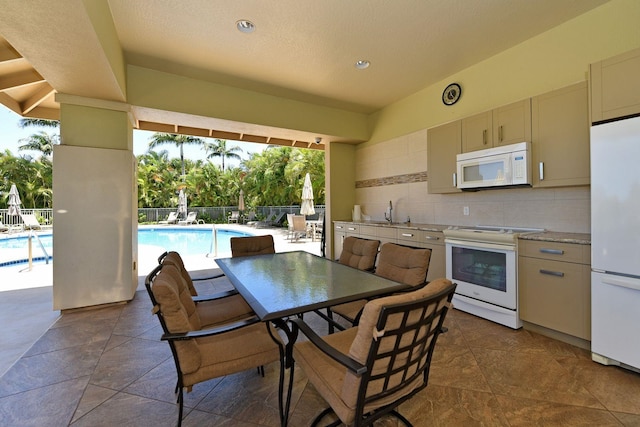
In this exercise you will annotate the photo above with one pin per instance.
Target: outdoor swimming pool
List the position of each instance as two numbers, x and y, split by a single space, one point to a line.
186 241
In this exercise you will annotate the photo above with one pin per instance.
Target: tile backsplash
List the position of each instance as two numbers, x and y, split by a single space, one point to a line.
395 170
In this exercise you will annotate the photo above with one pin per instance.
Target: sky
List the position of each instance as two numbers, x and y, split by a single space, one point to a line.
11 133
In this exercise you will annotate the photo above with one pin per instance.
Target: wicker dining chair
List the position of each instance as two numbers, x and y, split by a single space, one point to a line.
366 372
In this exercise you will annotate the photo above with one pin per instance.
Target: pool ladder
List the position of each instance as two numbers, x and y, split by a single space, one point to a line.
214 242
44 250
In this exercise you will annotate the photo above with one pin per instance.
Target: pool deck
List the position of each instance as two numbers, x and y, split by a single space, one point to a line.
26 295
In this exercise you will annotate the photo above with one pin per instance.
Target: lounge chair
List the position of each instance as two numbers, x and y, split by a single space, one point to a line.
3 227
30 222
267 221
171 219
235 217
190 219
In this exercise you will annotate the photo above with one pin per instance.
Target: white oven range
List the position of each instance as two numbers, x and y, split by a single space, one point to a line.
483 261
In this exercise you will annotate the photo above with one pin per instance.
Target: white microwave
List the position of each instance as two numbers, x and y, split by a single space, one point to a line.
508 165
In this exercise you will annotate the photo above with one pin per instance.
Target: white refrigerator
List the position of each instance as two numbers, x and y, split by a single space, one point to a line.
615 242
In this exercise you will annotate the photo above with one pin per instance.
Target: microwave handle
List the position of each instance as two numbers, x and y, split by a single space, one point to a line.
541 170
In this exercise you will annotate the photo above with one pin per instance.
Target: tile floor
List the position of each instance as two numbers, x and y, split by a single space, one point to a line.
107 367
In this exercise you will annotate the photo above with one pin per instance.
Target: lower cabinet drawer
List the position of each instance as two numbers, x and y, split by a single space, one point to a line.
556 295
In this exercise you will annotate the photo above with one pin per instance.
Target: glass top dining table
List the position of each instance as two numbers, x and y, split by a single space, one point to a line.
280 285
285 284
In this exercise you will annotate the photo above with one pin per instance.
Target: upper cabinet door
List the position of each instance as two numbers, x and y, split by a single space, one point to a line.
560 139
615 87
443 145
509 124
512 123
477 132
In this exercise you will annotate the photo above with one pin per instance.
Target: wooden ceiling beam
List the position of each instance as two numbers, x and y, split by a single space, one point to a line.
37 98
22 78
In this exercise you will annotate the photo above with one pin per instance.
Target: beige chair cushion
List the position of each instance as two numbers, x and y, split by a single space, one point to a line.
359 253
213 312
179 313
233 352
254 245
403 264
175 259
399 263
327 375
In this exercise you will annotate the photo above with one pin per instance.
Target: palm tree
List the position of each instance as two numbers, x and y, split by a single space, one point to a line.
39 123
177 140
41 141
218 148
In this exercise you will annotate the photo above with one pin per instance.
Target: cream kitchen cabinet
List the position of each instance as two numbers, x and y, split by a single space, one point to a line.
443 144
502 126
433 240
554 286
615 87
560 137
477 132
339 229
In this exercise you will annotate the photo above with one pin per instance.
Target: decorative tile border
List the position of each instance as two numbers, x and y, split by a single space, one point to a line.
392 180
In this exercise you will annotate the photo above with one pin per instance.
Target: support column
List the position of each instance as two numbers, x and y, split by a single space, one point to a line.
95 221
340 187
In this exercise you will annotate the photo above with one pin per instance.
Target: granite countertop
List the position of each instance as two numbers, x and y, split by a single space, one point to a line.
560 237
407 225
545 236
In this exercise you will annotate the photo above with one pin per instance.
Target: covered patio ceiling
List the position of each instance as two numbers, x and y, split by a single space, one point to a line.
301 50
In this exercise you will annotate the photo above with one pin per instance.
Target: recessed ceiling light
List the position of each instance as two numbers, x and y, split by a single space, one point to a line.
362 64
245 26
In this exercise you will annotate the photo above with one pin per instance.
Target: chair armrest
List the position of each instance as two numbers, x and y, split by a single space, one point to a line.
349 363
219 295
211 331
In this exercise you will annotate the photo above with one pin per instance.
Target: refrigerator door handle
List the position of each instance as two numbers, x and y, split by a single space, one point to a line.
622 283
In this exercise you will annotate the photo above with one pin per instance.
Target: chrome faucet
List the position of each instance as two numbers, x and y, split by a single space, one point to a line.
388 215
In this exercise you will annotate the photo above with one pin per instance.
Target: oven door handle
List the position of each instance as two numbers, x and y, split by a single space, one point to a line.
481 245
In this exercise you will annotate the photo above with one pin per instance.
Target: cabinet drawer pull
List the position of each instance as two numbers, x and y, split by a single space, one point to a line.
541 170
500 133
552 251
552 273
339 227
484 137
432 238
407 235
455 181
351 229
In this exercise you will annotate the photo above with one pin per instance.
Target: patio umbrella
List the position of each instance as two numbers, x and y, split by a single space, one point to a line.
241 201
307 197
14 201
182 204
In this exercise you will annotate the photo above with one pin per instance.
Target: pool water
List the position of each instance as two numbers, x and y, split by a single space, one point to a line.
183 240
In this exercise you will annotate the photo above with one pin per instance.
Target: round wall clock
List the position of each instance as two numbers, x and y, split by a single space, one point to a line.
451 94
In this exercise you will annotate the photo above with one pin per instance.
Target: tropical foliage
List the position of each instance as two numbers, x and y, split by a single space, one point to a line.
32 177
273 177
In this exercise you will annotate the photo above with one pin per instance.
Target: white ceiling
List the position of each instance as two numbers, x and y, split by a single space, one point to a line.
301 49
